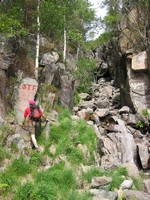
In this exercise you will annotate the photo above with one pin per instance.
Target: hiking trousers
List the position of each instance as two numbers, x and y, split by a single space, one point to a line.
34 128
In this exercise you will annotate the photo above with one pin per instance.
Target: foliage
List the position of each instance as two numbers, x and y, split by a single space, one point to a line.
65 114
138 183
2 153
145 113
86 136
76 196
3 185
68 14
140 124
94 172
36 159
68 135
11 20
19 167
8 178
76 99
84 74
55 183
134 14
118 176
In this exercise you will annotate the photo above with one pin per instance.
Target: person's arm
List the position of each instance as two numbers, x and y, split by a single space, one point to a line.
47 120
23 123
24 119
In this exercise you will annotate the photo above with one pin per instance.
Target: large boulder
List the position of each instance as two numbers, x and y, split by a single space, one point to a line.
26 91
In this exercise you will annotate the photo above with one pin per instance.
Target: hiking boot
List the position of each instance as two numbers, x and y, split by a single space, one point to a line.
36 148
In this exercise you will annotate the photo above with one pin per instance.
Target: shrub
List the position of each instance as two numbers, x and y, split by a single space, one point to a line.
145 113
76 99
140 124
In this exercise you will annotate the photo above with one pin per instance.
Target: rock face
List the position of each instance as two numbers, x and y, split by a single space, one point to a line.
139 82
120 141
67 90
26 91
55 73
2 94
119 138
6 55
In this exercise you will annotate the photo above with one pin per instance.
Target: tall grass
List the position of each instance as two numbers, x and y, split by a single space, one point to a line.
55 183
118 175
68 134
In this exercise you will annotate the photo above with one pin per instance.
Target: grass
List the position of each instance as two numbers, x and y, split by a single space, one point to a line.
71 140
117 175
55 183
19 167
35 159
138 183
2 154
94 172
68 135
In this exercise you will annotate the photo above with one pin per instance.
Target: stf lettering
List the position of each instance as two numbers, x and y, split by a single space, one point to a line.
29 87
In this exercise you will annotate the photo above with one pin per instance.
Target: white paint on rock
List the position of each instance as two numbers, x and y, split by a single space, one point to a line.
139 61
26 91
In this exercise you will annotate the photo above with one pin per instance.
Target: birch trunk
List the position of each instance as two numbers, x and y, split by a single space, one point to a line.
37 41
65 40
78 50
65 45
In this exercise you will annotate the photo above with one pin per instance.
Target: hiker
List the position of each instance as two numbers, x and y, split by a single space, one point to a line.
33 115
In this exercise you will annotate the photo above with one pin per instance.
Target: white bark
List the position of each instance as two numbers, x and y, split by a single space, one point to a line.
65 40
65 45
37 41
78 50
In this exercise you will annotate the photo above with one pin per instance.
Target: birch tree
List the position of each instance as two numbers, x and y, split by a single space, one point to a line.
37 40
64 17
135 14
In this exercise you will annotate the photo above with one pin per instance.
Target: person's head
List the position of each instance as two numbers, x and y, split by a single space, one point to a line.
32 102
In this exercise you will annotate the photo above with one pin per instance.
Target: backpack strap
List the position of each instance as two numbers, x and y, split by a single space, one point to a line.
32 108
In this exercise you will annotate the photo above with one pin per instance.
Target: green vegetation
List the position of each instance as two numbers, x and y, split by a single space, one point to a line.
75 144
138 183
140 124
118 175
51 184
76 99
68 135
59 181
94 172
145 113
85 74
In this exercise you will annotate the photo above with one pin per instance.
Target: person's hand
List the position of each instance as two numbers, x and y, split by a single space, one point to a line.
47 120
23 126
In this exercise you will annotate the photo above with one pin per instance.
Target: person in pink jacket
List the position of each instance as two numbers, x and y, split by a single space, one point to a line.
32 115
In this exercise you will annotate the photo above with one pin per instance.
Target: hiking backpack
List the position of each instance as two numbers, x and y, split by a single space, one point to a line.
35 113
